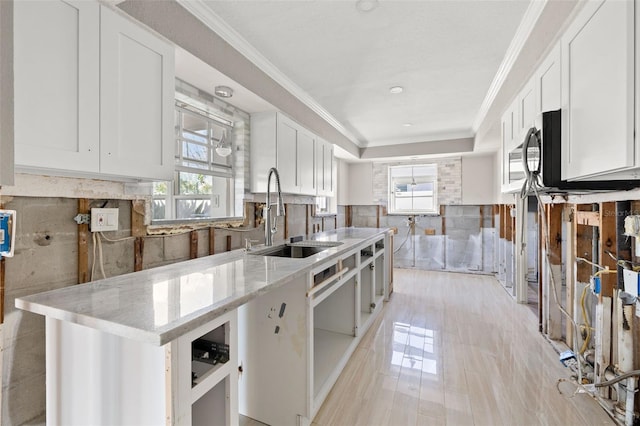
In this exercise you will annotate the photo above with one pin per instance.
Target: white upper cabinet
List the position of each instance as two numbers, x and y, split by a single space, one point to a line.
598 90
526 111
137 90
286 155
56 84
325 165
277 141
548 82
511 178
306 162
93 92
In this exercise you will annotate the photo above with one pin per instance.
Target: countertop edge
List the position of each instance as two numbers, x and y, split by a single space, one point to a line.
171 332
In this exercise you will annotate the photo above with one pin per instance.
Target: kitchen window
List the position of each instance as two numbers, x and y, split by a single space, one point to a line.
203 186
413 189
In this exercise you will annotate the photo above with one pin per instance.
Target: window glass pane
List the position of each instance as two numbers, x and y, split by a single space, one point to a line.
196 137
160 188
188 209
403 204
423 203
195 124
402 188
195 151
158 208
192 183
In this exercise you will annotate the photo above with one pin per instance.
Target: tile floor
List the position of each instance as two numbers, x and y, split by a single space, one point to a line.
454 349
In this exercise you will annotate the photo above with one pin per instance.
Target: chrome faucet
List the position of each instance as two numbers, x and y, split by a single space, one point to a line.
271 226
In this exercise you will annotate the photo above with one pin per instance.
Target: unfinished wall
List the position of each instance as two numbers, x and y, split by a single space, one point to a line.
449 179
461 238
47 258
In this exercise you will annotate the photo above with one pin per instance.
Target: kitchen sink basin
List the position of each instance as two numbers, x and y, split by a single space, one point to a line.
298 250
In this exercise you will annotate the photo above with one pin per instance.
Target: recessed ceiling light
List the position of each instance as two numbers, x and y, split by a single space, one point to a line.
407 124
366 5
396 89
223 91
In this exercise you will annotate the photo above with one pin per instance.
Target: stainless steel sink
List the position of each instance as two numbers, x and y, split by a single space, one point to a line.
297 250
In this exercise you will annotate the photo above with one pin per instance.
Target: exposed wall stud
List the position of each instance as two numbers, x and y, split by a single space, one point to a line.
138 248
286 221
607 244
306 219
228 242
212 240
193 244
83 244
138 228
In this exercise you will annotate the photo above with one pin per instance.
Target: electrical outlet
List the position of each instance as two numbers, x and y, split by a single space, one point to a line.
104 220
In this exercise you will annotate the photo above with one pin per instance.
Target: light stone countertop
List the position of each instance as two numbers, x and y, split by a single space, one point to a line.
159 305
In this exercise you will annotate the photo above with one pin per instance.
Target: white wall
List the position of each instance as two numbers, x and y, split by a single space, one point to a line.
479 179
360 184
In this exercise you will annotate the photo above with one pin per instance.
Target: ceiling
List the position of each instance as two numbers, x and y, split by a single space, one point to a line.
444 54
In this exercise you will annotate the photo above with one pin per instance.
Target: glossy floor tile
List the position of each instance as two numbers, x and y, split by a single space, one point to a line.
454 349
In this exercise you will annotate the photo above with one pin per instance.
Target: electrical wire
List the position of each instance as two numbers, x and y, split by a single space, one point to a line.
93 258
101 258
116 240
582 259
405 239
587 339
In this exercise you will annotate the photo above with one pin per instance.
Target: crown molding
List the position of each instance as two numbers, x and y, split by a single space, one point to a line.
529 20
200 10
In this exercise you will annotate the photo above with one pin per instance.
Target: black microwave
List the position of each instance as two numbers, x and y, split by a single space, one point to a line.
541 154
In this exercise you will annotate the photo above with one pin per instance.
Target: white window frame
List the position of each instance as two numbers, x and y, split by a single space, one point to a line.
412 174
211 167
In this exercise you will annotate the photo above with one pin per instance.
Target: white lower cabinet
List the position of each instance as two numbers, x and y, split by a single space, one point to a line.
99 378
297 339
93 92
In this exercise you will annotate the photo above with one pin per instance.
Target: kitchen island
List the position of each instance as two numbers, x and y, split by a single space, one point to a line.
120 350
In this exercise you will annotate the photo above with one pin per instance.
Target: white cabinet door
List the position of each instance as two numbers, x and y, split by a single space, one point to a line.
527 110
548 82
325 168
136 103
306 144
329 168
511 168
56 85
286 154
598 90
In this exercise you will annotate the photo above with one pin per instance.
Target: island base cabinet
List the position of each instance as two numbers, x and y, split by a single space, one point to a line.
97 378
274 354
101 379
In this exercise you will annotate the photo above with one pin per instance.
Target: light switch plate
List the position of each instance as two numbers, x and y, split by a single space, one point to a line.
104 220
